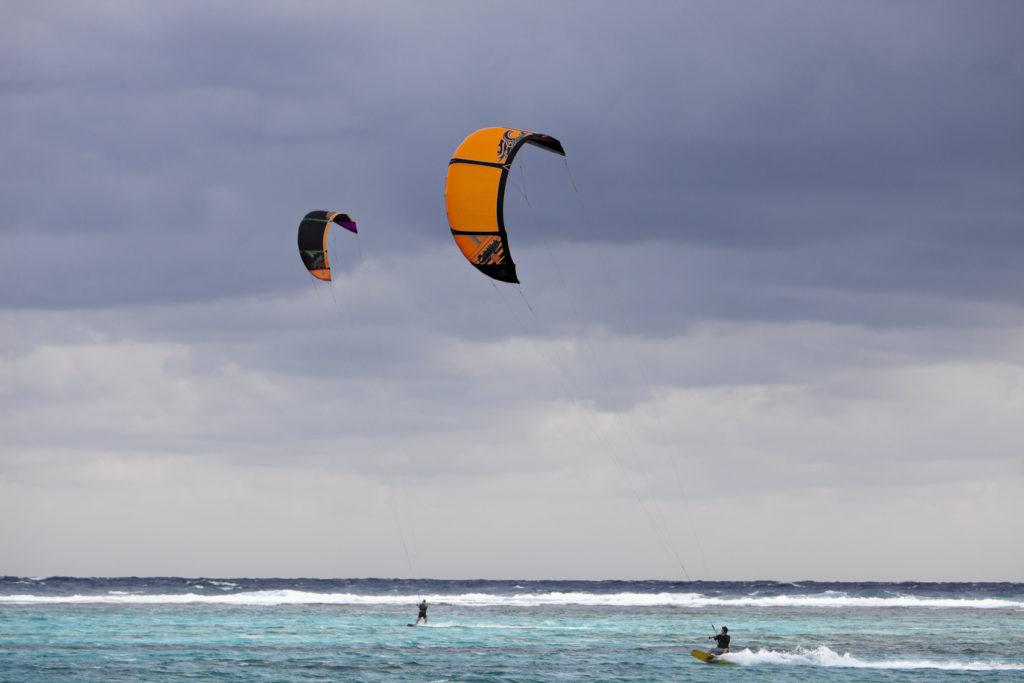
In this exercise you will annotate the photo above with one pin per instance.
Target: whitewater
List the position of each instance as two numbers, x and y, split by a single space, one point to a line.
227 629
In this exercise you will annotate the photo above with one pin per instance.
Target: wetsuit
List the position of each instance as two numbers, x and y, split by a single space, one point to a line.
723 643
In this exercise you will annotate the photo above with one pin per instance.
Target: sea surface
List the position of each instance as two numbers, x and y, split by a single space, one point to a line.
203 629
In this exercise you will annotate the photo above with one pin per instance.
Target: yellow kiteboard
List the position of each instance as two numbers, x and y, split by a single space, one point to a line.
709 658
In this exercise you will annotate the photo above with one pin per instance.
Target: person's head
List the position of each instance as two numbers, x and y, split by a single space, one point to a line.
725 629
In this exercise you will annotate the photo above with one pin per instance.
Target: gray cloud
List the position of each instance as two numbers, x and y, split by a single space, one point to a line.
778 271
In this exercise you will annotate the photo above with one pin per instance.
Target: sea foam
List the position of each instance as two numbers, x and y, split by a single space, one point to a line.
825 657
476 599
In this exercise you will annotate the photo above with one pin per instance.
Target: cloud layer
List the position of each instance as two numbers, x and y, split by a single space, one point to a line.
770 317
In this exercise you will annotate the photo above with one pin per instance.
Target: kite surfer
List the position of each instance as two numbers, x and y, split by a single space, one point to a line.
722 638
423 613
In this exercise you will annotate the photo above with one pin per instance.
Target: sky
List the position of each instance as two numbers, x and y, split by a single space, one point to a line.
770 323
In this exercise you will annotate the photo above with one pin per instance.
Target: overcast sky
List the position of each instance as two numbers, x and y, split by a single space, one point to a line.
770 323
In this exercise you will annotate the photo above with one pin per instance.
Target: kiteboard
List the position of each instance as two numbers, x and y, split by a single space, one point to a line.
708 658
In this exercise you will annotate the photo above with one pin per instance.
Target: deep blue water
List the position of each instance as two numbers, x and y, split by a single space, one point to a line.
178 629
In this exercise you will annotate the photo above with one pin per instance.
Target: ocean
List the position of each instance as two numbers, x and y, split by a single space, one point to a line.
201 629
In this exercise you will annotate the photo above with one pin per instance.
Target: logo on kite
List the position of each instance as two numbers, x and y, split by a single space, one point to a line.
313 240
475 196
507 143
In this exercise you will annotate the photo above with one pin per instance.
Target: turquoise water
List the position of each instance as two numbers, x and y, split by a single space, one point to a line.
504 631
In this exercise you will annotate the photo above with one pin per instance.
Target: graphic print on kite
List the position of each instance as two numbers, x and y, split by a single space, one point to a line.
313 240
475 195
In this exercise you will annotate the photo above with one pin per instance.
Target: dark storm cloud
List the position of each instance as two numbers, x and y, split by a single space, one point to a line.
850 148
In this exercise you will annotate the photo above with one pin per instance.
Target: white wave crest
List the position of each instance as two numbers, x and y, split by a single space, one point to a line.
626 599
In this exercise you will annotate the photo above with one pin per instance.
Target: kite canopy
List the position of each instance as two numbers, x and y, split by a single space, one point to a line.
313 240
475 195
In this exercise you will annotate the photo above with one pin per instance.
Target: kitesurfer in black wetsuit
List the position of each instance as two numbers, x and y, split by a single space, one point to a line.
722 638
423 613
